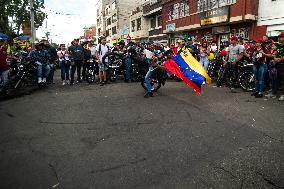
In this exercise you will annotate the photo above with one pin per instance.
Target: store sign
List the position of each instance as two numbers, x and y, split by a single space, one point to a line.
221 30
214 16
171 27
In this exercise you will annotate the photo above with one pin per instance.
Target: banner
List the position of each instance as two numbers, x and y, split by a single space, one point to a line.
214 16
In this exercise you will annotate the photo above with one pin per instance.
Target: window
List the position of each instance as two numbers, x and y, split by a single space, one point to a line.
114 18
113 5
153 23
159 18
138 24
133 25
186 8
204 5
99 31
108 21
98 12
171 11
181 10
107 33
153 2
114 30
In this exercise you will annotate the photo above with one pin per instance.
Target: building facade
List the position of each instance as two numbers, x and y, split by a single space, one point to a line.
211 20
117 14
271 15
100 16
139 25
152 11
90 33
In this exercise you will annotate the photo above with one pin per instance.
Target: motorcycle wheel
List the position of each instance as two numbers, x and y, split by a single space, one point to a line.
220 77
210 71
246 81
90 76
112 76
154 85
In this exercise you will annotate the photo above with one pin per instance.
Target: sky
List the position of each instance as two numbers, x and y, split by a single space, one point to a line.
67 18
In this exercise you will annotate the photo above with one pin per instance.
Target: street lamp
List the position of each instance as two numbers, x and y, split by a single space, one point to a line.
32 14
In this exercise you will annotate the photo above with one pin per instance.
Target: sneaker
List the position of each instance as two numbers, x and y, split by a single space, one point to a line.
39 80
44 80
72 83
101 83
253 94
147 95
281 98
63 83
270 95
67 82
259 95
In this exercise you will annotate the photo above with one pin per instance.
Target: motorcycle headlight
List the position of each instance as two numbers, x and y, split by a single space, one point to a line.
21 67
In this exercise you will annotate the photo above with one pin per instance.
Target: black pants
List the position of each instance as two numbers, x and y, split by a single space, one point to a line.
85 66
280 76
77 64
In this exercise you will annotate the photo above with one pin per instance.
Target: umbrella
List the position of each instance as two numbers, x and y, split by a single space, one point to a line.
3 36
22 38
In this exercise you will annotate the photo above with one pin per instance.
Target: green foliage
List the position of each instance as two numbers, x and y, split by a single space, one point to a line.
18 11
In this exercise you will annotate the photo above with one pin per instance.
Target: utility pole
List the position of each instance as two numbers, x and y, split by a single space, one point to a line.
32 14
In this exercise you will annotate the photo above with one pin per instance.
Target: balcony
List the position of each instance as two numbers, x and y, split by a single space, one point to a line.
150 9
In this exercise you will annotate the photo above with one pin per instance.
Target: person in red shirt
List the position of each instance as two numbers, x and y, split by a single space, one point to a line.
174 48
4 68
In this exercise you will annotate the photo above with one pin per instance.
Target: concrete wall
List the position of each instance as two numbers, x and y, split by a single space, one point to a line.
270 12
144 32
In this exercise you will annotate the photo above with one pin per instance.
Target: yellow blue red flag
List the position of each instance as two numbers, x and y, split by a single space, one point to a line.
187 68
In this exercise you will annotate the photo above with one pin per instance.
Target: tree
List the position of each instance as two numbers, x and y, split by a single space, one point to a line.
14 13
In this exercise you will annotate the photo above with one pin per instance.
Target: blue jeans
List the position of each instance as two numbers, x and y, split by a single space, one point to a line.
4 77
259 75
204 62
65 69
127 69
42 70
147 80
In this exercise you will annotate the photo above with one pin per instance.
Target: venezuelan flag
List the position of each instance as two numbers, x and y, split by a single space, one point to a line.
187 68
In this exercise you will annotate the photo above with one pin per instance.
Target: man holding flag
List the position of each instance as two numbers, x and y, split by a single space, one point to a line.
184 66
187 68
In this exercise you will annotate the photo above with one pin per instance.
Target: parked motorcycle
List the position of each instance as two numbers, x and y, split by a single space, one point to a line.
91 71
240 75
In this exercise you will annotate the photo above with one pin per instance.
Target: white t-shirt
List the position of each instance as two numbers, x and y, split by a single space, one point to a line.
66 56
93 51
104 50
148 53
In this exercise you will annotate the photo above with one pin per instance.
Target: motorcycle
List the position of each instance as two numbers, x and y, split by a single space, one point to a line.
114 69
91 71
114 65
215 66
21 75
240 75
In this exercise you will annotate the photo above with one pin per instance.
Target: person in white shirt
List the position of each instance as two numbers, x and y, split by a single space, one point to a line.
64 63
101 50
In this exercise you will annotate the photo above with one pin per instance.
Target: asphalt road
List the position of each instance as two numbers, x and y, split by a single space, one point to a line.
92 137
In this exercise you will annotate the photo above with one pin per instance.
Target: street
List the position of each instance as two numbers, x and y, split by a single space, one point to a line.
92 137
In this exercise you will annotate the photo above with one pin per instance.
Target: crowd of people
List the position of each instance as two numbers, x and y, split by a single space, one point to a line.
266 55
